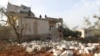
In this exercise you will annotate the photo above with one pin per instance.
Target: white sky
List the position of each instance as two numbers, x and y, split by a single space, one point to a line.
72 11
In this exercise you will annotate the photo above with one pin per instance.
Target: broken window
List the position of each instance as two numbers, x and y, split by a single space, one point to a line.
50 27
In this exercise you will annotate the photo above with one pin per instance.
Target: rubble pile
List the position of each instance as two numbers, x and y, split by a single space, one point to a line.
64 48
61 48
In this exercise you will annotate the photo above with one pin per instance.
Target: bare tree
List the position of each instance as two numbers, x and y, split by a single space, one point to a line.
12 22
97 23
95 26
87 22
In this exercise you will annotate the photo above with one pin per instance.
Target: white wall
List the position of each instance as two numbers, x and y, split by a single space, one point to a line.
89 33
86 33
82 33
27 26
42 26
13 8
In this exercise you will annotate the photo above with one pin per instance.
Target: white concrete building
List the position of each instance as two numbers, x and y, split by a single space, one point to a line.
28 23
86 33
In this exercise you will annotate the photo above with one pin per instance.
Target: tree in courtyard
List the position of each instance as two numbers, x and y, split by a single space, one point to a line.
12 22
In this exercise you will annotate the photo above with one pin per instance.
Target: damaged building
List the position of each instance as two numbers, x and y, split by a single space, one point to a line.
31 25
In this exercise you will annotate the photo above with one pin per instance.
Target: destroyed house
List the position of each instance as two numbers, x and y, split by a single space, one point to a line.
31 25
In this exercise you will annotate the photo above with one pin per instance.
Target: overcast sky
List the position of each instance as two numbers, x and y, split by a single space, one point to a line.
72 11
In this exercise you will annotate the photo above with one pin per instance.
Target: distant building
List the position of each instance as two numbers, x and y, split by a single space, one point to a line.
86 33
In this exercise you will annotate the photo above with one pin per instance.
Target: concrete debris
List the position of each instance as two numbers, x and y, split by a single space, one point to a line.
97 54
65 48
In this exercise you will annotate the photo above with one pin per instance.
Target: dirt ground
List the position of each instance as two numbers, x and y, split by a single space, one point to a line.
8 49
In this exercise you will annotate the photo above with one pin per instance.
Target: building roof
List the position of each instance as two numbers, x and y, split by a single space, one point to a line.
54 19
14 10
19 9
48 19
